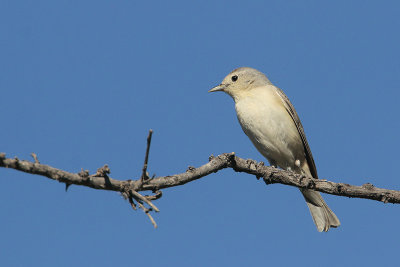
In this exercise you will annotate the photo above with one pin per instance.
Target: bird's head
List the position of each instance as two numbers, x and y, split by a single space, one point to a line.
240 81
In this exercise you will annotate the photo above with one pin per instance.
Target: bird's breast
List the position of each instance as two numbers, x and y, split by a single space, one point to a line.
266 122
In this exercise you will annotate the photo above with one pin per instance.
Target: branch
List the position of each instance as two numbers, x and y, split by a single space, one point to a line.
129 189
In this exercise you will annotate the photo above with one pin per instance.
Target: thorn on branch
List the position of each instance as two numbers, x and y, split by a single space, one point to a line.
34 156
67 185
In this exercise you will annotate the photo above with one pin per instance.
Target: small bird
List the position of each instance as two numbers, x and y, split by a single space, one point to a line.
270 121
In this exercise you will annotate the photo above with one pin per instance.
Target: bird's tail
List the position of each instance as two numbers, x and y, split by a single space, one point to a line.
322 215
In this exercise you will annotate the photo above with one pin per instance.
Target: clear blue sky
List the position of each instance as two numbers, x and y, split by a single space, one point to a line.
82 82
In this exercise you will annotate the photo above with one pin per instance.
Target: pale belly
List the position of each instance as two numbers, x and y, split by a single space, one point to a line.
266 122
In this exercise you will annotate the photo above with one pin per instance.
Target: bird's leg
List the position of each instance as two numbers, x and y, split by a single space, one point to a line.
273 163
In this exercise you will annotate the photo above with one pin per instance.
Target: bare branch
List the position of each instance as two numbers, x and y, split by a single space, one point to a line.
270 175
129 189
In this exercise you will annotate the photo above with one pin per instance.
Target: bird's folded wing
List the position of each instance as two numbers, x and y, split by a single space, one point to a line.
292 112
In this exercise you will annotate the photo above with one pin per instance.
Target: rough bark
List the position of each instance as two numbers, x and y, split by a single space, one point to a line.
130 188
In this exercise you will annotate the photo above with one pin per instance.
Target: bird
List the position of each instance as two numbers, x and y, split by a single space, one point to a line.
272 124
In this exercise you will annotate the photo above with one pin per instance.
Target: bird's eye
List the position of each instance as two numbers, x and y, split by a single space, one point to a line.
234 78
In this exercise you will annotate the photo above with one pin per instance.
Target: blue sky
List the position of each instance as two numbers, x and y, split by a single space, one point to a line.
82 82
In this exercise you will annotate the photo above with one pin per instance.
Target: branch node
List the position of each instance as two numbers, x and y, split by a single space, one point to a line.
231 159
2 156
139 198
302 179
368 186
310 183
387 197
251 165
190 169
103 171
84 173
126 188
268 176
211 157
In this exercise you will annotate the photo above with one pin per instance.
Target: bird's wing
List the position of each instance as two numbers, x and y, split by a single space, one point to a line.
292 112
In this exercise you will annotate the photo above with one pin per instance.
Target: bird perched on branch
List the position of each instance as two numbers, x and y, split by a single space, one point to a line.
270 121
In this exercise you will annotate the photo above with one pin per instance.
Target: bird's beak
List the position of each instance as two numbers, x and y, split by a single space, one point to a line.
220 87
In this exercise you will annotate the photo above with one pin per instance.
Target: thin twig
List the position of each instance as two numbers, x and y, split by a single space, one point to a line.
148 214
34 156
133 205
137 196
146 158
157 195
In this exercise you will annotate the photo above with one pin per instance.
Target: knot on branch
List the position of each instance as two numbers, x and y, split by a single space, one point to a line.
126 188
103 171
16 160
259 166
84 173
230 159
251 164
387 197
269 176
190 169
339 188
368 186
